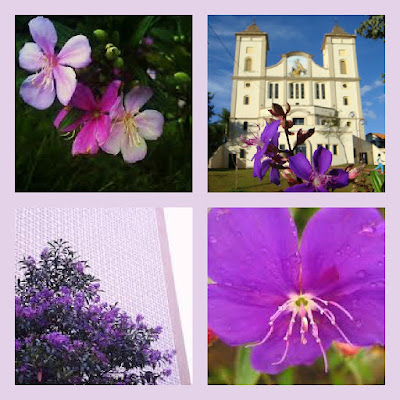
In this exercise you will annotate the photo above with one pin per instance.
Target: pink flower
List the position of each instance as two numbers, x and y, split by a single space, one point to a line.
130 127
95 123
38 90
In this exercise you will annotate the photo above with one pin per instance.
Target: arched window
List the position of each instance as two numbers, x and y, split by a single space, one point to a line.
248 64
343 67
246 100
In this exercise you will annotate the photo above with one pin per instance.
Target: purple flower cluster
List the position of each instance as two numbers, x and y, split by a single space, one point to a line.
110 121
290 303
66 335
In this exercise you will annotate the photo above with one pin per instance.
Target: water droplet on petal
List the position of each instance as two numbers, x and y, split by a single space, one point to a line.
358 324
213 239
380 264
361 273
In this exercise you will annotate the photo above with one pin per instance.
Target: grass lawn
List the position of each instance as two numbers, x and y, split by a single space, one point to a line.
223 180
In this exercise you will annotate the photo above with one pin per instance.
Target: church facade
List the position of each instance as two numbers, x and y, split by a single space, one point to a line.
325 97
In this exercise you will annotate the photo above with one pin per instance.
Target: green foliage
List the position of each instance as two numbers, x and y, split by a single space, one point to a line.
373 27
244 374
43 157
377 181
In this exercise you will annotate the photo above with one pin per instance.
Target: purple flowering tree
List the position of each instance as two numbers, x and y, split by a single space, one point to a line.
65 334
288 303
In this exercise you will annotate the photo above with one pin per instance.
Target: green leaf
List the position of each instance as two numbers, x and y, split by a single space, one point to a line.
286 377
144 25
378 181
244 374
72 116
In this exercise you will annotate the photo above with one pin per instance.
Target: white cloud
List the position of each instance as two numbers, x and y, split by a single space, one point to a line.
369 114
368 103
367 88
381 98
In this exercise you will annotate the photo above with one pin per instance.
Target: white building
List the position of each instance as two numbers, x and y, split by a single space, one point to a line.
325 97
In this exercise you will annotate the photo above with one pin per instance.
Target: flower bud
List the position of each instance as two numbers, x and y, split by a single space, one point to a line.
100 35
182 77
108 45
212 337
112 53
277 110
347 349
119 63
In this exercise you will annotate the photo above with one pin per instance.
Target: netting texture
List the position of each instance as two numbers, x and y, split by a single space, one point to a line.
122 246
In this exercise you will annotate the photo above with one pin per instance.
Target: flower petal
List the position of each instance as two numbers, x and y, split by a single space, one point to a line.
65 83
264 357
133 152
110 96
342 250
302 187
83 98
275 177
76 52
44 34
367 307
137 97
113 143
31 57
102 128
341 178
322 160
270 131
240 254
117 110
261 168
150 124
86 141
36 92
300 166
238 316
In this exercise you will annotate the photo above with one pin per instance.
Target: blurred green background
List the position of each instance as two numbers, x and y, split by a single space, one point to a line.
43 160
231 365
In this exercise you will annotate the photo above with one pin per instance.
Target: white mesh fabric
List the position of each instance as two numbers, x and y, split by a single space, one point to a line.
122 246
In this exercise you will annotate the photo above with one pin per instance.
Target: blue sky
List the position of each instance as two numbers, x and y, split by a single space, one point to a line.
297 33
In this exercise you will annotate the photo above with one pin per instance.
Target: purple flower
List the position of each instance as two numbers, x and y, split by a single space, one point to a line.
315 177
18 345
265 156
38 90
130 127
80 266
57 339
95 123
290 304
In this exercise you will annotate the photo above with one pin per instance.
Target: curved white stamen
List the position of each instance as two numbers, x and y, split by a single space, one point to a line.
315 334
332 320
303 305
287 336
341 308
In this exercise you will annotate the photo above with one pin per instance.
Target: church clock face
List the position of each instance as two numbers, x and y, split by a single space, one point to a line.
296 66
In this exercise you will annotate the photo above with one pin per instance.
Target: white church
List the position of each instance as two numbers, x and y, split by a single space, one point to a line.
325 97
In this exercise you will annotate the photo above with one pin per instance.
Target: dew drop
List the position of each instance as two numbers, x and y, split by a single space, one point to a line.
380 264
361 273
373 285
213 239
358 324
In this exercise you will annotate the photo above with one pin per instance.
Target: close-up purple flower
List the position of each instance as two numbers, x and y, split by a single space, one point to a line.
130 128
316 178
289 302
264 158
95 123
53 73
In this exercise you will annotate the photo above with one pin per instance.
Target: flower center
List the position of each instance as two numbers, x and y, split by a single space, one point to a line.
301 307
318 180
44 77
131 130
